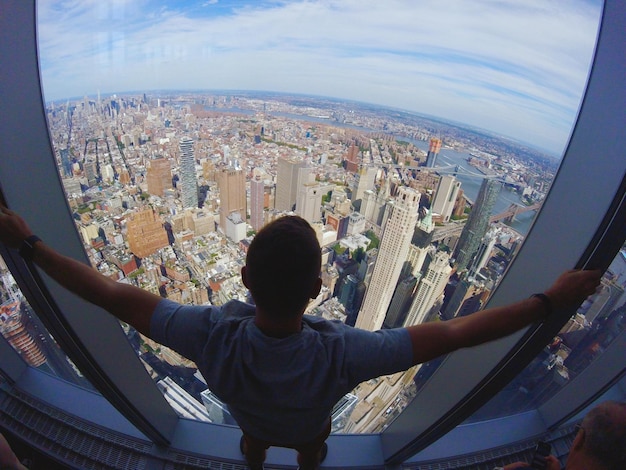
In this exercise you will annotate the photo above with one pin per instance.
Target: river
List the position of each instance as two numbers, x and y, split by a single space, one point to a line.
471 185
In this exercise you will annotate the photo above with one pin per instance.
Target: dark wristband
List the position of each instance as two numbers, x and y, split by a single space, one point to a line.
545 300
28 246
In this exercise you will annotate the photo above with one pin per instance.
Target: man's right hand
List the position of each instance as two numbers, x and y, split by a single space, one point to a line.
13 229
126 302
572 287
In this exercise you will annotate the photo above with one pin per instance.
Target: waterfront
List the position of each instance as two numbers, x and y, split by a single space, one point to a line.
471 185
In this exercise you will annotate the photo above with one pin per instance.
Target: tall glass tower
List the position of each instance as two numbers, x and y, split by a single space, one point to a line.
477 223
188 180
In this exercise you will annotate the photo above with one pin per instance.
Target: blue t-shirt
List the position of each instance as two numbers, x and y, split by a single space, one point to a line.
280 390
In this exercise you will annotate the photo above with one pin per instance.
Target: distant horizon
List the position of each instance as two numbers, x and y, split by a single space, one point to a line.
439 119
516 69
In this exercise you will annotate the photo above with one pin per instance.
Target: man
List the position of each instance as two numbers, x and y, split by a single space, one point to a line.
600 443
280 372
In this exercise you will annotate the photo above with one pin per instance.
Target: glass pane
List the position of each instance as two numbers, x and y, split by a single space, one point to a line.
421 171
21 327
596 324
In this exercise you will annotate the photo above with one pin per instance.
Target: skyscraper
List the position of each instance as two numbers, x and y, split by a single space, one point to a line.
457 294
66 162
287 181
188 180
159 176
445 197
423 233
257 202
433 152
400 302
465 299
477 223
352 159
309 204
366 180
232 186
430 289
393 250
348 291
483 252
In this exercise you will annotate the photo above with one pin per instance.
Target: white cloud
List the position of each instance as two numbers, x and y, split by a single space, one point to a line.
516 68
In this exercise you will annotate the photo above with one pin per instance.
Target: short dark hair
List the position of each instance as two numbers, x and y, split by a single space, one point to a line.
282 266
605 434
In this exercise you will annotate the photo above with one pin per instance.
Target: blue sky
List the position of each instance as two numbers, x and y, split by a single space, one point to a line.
516 68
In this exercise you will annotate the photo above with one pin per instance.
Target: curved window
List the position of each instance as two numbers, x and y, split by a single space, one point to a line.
120 155
21 328
127 161
596 327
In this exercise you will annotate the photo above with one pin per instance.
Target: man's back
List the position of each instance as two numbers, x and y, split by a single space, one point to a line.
278 389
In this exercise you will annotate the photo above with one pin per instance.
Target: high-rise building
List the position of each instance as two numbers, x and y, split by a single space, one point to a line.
604 301
366 266
66 162
199 221
393 251
347 292
257 203
456 295
124 176
145 233
433 152
483 253
445 197
287 181
339 201
366 180
415 259
430 289
159 176
465 299
398 308
14 330
309 203
356 223
338 223
477 223
423 233
235 228
232 186
90 168
374 206
352 159
188 179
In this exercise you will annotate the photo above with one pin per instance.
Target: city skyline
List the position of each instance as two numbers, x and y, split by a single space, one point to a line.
515 70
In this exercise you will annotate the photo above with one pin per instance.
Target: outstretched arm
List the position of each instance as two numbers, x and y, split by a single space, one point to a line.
128 303
431 340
